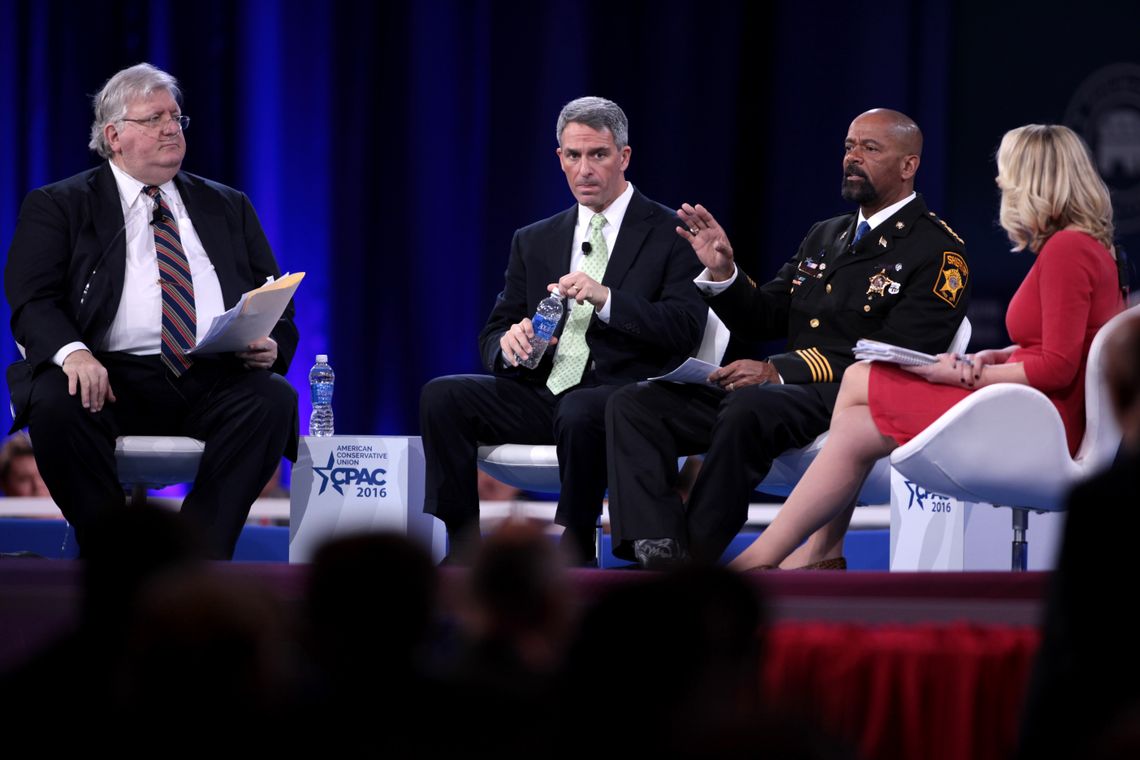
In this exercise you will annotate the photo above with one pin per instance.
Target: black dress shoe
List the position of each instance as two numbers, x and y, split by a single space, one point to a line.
659 553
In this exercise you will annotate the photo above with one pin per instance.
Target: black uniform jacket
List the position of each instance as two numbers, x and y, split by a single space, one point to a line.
906 282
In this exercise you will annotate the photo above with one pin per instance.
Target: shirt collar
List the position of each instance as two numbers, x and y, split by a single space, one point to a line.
130 189
879 217
614 213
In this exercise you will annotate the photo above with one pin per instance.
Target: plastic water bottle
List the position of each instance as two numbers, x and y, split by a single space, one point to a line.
545 322
321 379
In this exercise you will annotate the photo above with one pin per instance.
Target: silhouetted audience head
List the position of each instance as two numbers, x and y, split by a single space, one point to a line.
206 648
686 650
519 592
371 613
19 474
371 603
127 549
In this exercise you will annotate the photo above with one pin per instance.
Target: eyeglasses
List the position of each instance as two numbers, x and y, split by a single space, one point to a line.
157 122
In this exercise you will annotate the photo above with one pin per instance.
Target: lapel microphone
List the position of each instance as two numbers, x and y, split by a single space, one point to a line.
99 263
157 217
586 248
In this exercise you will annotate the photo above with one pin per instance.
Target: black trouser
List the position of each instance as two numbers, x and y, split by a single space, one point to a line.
246 418
650 424
459 412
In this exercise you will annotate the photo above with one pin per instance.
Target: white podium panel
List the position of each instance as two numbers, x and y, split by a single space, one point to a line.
351 484
927 529
931 531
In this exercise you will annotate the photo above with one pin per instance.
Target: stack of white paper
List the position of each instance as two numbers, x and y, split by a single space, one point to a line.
252 318
874 350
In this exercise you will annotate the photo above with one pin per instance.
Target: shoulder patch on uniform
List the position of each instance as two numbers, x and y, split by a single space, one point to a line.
952 278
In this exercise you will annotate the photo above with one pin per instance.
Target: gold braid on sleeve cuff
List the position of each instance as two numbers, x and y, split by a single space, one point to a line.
818 364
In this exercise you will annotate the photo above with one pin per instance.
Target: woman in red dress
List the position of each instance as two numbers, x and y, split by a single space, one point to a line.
1052 202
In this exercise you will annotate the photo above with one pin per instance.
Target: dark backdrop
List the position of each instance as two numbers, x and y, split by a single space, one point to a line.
392 150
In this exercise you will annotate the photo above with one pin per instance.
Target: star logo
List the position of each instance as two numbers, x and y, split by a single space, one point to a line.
917 493
325 477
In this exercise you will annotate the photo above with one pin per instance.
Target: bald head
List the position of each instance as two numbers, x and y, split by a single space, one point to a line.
881 156
901 127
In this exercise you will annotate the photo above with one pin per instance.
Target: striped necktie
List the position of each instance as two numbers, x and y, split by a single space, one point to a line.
177 284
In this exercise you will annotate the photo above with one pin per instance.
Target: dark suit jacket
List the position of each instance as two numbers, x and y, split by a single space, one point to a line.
657 317
906 282
67 261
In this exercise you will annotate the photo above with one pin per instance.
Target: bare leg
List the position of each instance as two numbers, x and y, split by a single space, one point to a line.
826 494
825 543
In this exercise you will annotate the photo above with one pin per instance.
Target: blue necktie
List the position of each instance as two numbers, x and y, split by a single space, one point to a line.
860 231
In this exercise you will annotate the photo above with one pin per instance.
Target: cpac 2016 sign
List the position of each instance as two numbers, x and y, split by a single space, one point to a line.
347 469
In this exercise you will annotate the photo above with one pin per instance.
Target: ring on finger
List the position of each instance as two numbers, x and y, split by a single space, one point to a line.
693 230
732 386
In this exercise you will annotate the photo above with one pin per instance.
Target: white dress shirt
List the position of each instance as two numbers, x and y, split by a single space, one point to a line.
614 214
137 326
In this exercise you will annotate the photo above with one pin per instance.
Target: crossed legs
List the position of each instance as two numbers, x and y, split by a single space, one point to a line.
820 507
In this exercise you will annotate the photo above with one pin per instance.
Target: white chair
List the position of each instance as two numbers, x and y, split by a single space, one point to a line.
535 467
1005 445
156 461
789 467
150 461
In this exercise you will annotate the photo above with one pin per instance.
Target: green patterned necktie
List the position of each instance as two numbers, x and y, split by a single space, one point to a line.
572 354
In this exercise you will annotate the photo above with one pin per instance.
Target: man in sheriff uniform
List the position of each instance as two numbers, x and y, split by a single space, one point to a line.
893 272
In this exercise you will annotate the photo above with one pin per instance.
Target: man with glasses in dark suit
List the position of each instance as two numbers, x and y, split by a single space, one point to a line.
111 277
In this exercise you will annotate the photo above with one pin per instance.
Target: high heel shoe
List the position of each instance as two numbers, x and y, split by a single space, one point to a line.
835 563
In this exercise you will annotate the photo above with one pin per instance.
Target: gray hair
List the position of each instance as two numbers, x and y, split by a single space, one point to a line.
595 113
111 102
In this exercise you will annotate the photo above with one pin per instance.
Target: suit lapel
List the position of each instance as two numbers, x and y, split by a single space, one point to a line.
107 216
841 243
99 281
563 233
634 229
208 215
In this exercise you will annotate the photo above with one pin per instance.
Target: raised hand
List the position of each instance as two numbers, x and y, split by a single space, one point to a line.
708 239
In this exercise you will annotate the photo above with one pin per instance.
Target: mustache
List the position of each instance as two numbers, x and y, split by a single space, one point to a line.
852 169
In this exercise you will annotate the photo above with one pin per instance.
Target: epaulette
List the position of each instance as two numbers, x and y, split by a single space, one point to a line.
942 223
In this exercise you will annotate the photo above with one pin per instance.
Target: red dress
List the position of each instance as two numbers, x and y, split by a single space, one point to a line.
1071 290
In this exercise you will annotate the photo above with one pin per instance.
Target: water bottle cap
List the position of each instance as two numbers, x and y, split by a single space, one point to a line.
555 292
322 358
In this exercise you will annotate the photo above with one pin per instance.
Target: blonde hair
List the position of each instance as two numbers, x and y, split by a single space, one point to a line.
1048 183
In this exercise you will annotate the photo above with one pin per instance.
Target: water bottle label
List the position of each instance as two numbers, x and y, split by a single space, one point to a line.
543 327
322 393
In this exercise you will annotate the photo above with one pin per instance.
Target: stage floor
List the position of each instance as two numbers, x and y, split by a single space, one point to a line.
39 599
